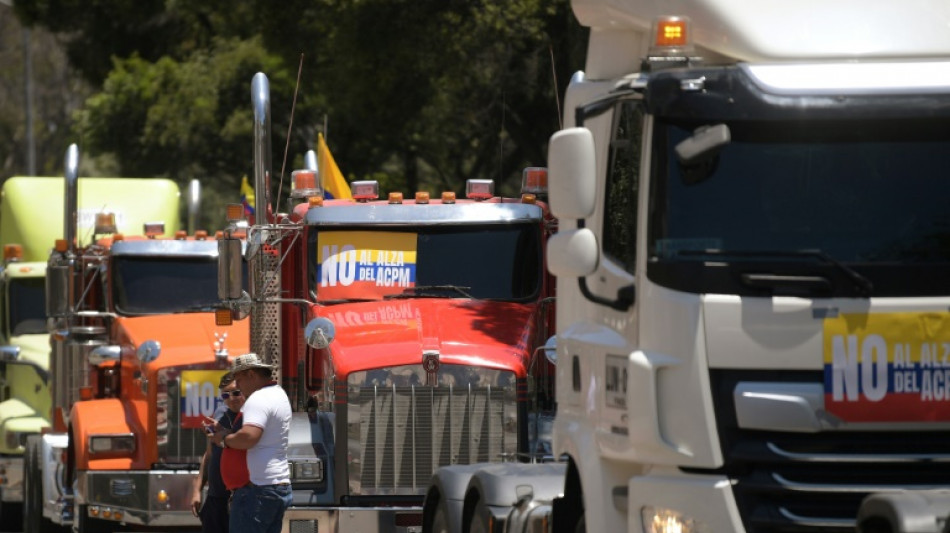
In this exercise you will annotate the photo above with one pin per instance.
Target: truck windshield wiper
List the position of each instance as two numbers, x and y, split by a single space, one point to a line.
862 284
432 291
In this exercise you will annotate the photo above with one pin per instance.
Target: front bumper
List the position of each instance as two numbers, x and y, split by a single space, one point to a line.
343 519
150 498
11 478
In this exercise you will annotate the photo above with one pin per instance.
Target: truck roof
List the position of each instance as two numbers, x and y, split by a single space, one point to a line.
31 208
380 213
774 30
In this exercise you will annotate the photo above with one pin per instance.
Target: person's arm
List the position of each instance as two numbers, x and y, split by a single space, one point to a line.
200 480
243 439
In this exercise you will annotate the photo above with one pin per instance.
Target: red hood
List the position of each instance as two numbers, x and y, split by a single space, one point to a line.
185 338
471 332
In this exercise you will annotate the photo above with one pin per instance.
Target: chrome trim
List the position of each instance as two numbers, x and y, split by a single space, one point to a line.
260 99
858 457
57 502
140 489
340 519
824 488
402 214
816 522
71 172
165 247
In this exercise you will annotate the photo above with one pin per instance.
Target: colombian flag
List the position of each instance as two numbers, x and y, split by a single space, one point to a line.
247 197
334 185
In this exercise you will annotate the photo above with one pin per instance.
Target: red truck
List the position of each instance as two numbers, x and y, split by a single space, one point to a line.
405 330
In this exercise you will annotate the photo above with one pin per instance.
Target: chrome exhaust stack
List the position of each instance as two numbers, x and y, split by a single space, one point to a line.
260 97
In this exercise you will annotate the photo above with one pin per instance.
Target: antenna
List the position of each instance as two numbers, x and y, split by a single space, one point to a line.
557 97
290 126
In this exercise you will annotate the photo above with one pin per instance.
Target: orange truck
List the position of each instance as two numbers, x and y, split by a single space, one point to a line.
136 359
406 331
24 340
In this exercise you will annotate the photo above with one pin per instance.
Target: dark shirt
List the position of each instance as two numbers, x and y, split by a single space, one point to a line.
216 487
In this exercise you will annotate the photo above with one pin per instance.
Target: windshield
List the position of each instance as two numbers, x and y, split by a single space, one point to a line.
27 305
489 261
868 195
155 285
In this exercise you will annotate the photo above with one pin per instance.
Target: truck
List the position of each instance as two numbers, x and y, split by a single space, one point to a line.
27 234
404 330
135 362
751 269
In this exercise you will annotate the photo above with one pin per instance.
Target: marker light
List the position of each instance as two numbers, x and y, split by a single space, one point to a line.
395 197
60 245
234 212
181 235
448 197
162 496
671 36
529 199
105 223
201 234
154 229
534 180
303 184
13 252
315 201
365 190
218 235
479 189
422 197
222 317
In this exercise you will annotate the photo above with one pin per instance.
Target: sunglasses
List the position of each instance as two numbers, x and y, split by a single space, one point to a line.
225 395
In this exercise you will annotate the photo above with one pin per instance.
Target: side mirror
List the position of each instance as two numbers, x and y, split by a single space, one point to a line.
148 351
697 153
550 350
105 354
10 353
319 333
230 273
573 253
572 168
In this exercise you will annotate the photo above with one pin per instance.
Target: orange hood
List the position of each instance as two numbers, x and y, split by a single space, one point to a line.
185 338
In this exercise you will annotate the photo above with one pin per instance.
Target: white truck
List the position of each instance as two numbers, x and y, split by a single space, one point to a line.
752 260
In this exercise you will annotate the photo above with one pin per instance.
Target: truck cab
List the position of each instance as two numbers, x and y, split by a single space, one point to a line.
750 264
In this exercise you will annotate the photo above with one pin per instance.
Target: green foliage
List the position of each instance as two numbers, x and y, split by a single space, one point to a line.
421 95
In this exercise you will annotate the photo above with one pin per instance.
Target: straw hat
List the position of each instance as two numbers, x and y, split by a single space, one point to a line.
247 362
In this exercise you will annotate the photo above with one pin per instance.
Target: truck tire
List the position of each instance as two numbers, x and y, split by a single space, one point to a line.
11 516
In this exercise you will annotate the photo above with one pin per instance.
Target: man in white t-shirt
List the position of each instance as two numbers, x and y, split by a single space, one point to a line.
259 506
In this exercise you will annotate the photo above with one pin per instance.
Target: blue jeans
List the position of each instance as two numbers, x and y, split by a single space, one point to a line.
259 508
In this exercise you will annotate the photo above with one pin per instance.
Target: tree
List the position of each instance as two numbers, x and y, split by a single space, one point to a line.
422 95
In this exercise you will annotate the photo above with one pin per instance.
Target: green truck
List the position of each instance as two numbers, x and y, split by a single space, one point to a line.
31 219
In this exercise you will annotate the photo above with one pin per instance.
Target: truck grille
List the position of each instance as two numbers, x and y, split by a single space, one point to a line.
400 434
176 445
815 482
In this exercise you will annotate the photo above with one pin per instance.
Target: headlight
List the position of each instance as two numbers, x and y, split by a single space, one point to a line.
307 470
660 520
123 443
